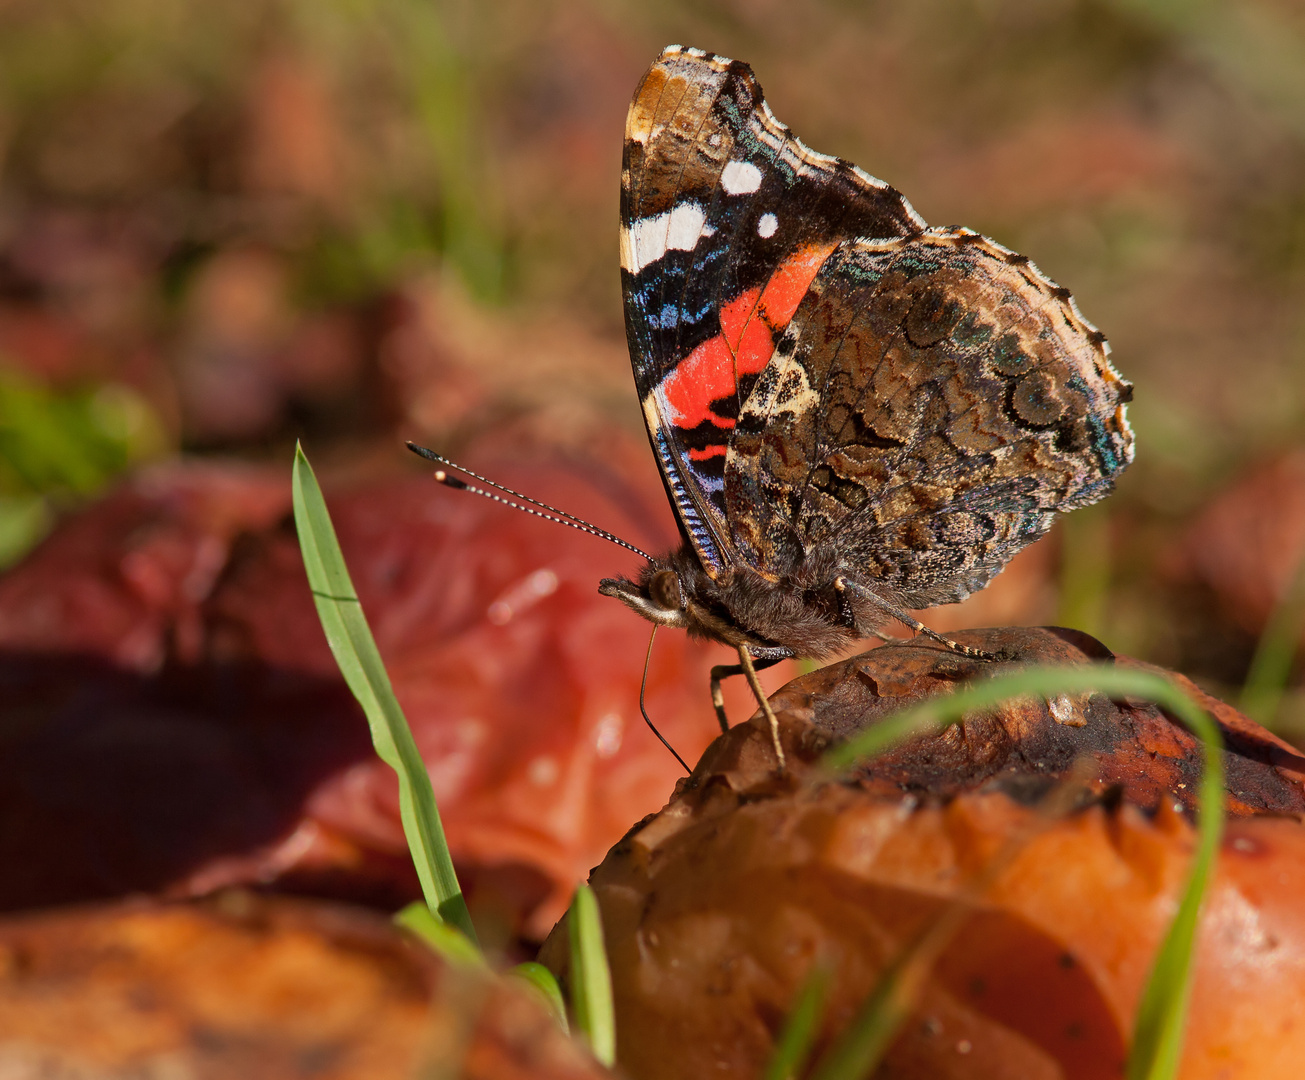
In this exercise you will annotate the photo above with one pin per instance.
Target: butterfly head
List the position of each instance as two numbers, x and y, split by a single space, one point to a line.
676 591
658 595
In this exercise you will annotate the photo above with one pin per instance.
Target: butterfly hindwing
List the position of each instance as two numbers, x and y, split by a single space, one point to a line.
932 403
725 220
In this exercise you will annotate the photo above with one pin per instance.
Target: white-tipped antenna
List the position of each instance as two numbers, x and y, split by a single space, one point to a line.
554 514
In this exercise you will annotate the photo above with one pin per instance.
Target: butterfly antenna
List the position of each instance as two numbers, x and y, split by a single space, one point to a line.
561 517
647 660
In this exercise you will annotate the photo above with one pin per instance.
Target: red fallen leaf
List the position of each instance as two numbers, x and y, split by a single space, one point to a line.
716 908
252 988
520 682
125 580
177 721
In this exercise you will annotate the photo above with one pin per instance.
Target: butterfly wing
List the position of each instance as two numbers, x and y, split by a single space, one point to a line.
725 220
934 402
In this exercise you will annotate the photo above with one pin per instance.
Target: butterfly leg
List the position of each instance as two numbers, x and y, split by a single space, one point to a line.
745 659
724 671
851 589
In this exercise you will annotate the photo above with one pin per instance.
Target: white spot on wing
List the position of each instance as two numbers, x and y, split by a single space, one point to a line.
740 178
767 225
648 239
687 223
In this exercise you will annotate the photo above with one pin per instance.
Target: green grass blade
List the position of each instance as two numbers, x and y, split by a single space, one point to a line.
360 663
1270 668
591 979
451 944
799 1033
1162 1011
542 981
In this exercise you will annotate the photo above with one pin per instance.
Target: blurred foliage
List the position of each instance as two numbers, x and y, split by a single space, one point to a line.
1270 667
355 118
1085 570
56 446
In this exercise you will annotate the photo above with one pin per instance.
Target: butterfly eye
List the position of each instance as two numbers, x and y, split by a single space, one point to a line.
664 589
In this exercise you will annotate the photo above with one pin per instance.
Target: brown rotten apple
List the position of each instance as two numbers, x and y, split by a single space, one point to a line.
717 908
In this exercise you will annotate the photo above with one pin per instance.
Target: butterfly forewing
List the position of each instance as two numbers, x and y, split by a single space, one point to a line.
726 219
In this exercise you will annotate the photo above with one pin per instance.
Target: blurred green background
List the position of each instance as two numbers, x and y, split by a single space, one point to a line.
223 227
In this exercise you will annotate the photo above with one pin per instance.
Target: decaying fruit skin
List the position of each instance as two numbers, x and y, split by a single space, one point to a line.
248 987
1023 747
716 908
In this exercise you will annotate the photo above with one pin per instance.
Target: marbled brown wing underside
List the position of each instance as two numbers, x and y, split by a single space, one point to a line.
932 405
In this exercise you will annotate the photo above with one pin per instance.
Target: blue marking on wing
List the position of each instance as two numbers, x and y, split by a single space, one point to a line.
707 309
673 316
1103 445
669 319
710 484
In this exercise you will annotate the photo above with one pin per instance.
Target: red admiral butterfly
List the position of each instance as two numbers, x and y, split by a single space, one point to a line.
854 413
